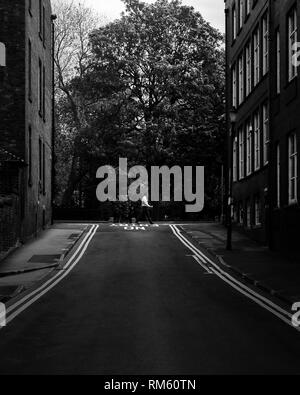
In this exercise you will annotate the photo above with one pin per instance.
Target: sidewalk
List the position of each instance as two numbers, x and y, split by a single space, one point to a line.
37 258
267 270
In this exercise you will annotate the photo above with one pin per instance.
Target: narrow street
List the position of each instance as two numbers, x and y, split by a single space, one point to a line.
137 302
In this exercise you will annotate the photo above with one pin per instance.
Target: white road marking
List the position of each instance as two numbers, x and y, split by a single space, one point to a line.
267 304
134 227
206 268
14 310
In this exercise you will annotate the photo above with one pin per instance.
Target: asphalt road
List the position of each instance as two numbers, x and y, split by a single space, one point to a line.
138 303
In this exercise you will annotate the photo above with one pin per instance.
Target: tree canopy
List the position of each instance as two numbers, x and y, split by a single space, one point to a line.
152 90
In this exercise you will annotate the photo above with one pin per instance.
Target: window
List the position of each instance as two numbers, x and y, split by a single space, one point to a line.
40 88
235 157
40 163
44 170
293 168
265 27
234 23
29 70
234 87
44 94
278 63
278 178
241 79
249 147
292 37
241 154
256 47
43 27
241 13
40 19
266 133
257 142
247 7
257 205
29 156
248 69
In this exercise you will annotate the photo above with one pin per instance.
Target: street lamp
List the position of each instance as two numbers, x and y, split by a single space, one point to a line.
232 119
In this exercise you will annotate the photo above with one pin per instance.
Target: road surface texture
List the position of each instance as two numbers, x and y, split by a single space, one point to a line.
138 303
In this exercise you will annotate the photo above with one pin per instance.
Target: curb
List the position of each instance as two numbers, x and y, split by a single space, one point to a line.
248 277
17 292
70 247
56 266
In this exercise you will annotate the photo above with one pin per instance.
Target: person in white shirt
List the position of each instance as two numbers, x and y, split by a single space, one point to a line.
145 210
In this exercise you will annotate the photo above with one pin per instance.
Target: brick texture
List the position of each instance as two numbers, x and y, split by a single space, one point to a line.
19 113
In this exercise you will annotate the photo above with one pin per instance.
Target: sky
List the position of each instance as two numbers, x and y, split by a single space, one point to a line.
211 10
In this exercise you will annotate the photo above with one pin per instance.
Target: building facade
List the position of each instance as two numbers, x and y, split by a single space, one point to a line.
26 110
264 93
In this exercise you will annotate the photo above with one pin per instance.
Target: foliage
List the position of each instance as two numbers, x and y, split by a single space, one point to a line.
152 91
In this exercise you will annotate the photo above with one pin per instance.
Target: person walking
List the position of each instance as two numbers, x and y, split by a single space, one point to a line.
144 211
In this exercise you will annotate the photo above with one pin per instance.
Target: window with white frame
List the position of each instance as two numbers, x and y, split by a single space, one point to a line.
234 87
241 79
278 177
248 68
293 163
40 87
265 27
247 7
278 63
241 13
292 37
256 47
235 159
257 205
241 153
249 147
257 140
266 133
234 23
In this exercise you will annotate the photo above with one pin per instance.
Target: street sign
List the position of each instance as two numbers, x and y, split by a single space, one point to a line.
2 55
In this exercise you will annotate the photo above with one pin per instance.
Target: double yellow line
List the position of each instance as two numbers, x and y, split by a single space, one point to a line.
262 301
10 311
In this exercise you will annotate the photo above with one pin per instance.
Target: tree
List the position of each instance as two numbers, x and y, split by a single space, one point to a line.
154 85
71 55
171 64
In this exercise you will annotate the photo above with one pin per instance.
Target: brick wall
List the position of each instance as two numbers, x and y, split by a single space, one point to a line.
12 88
23 128
38 200
9 207
9 223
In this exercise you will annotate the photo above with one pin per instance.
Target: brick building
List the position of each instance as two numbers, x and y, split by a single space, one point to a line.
26 105
263 89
